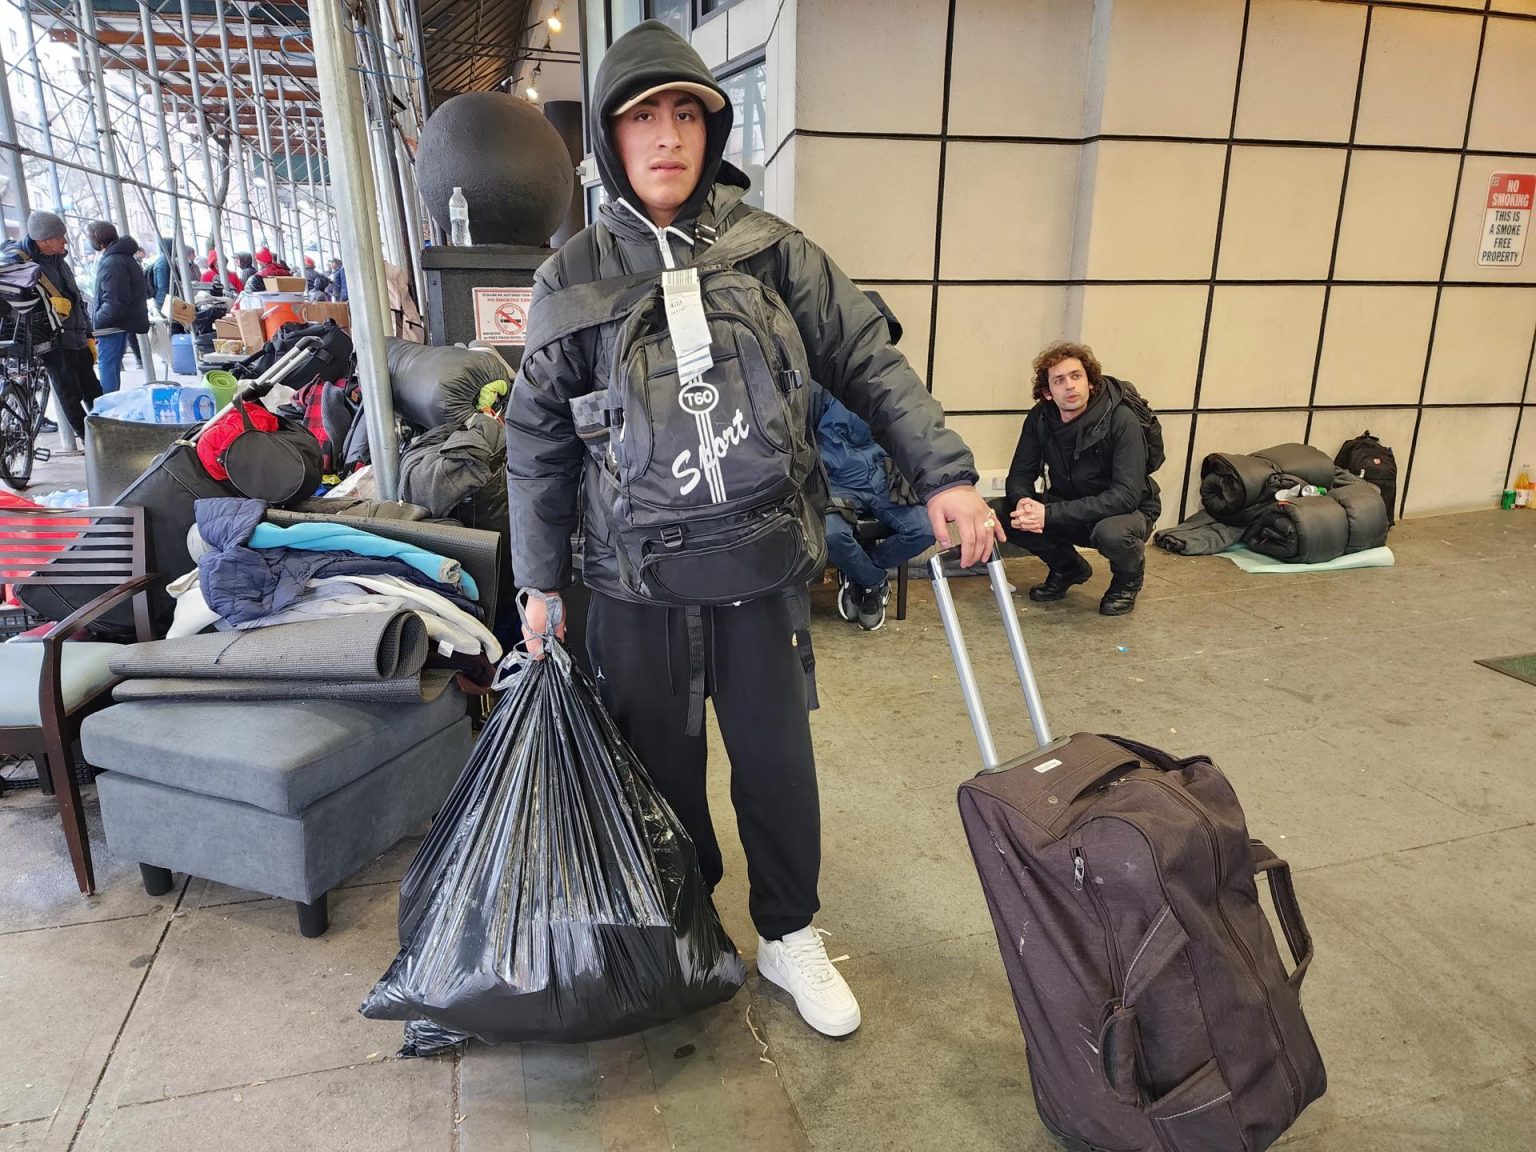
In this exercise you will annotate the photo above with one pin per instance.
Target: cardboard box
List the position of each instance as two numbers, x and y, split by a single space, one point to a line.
180 311
284 283
320 312
227 327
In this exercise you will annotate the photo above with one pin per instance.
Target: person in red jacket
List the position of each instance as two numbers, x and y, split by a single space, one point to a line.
212 275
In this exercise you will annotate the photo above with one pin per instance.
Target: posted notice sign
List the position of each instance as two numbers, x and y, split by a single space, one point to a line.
1507 219
501 314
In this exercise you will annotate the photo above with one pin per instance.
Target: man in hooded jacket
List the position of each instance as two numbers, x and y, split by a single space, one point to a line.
69 363
659 126
1088 445
120 309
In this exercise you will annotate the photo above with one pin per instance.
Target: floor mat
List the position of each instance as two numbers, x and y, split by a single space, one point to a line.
1253 562
1520 667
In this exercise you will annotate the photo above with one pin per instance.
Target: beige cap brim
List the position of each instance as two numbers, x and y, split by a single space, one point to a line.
711 99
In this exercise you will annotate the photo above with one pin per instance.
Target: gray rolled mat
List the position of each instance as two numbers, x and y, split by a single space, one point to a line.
362 646
427 686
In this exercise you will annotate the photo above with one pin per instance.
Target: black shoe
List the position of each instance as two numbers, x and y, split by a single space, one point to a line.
1120 596
1057 583
872 603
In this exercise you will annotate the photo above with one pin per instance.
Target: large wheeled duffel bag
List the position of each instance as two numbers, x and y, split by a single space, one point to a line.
1157 1013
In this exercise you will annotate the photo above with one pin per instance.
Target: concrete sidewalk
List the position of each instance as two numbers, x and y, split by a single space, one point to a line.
1367 747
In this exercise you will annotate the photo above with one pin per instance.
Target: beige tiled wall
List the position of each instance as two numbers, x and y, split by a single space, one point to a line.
1185 185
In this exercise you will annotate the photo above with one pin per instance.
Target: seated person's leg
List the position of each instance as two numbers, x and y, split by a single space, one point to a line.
911 534
1123 542
864 596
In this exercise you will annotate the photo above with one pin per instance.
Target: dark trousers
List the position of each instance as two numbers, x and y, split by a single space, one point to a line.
74 382
1121 539
752 672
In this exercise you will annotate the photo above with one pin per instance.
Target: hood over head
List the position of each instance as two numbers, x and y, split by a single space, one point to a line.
648 58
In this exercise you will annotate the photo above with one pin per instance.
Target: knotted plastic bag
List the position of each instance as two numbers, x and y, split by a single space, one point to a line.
557 897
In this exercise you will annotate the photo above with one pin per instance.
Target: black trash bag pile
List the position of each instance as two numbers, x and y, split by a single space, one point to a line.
557 897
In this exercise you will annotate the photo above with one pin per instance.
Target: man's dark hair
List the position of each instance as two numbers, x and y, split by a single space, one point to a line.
1054 355
101 233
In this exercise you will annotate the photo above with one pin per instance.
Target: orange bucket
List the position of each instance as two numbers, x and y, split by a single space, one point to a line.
275 315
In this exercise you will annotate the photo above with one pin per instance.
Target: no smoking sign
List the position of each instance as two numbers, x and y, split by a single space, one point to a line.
501 314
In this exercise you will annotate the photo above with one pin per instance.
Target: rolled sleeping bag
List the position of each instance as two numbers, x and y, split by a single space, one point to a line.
1303 461
437 386
1231 483
1307 530
1366 512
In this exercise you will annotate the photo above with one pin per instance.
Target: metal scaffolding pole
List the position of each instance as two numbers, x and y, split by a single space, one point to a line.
352 175
295 243
263 132
8 137
42 106
178 261
237 157
215 214
309 180
106 146
393 208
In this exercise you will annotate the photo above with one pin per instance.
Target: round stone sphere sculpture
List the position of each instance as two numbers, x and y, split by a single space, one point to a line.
509 160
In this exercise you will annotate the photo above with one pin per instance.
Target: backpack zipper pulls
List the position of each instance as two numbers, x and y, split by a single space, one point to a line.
1078 868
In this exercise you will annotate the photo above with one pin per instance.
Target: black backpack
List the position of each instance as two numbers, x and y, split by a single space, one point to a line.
330 361
1371 460
1151 428
710 485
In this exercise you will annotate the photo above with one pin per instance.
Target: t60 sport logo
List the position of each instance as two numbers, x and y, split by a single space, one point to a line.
699 400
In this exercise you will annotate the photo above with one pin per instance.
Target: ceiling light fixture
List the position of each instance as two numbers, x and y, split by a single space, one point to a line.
555 23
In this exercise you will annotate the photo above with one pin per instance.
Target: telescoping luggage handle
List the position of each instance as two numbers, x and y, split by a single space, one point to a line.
968 687
259 387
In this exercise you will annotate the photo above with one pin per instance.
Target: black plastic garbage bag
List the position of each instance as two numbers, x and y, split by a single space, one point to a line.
557 897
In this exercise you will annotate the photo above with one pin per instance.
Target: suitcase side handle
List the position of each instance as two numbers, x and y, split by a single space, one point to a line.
1282 893
968 686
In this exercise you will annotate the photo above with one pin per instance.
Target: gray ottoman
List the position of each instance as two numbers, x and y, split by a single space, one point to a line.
288 798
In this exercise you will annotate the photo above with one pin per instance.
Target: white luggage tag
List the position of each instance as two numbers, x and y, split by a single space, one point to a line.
685 321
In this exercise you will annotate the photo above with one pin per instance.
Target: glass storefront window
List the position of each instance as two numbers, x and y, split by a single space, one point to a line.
675 14
747 147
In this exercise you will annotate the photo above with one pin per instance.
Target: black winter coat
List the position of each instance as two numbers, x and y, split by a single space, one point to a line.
1100 472
122 298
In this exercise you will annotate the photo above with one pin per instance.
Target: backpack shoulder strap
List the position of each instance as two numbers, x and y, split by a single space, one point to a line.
757 232
569 310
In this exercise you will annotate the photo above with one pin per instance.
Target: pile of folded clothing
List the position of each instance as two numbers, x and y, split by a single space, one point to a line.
314 610
1288 502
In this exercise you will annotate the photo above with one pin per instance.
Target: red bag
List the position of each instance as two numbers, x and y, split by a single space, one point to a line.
223 431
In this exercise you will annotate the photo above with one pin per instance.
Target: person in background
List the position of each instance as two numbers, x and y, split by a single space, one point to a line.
121 305
250 273
69 362
212 275
194 267
338 281
316 282
269 265
161 274
1083 439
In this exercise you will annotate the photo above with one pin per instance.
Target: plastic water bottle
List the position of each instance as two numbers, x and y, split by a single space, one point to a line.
458 219
1523 487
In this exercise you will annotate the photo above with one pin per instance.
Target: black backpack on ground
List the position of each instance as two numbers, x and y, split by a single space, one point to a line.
1368 458
710 485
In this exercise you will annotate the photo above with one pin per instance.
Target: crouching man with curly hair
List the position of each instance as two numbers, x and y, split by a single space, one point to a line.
1086 447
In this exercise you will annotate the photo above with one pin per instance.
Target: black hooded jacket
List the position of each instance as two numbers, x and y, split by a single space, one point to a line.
845 337
122 298
1095 467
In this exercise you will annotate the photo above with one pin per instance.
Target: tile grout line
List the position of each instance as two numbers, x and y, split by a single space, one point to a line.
101 1076
76 924
1413 847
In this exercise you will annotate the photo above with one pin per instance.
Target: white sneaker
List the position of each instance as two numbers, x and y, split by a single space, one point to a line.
798 964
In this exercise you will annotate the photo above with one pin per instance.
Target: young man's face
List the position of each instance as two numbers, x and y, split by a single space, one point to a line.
660 142
1069 387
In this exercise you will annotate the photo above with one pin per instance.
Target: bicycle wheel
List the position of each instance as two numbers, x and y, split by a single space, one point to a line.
17 436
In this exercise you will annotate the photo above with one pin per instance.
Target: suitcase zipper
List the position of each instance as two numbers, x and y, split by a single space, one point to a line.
1253 969
1079 872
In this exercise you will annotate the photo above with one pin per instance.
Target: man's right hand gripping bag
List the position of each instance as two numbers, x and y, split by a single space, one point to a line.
557 897
1157 1013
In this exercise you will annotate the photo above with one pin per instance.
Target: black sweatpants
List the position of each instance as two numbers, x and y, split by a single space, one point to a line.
752 672
1121 539
73 374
